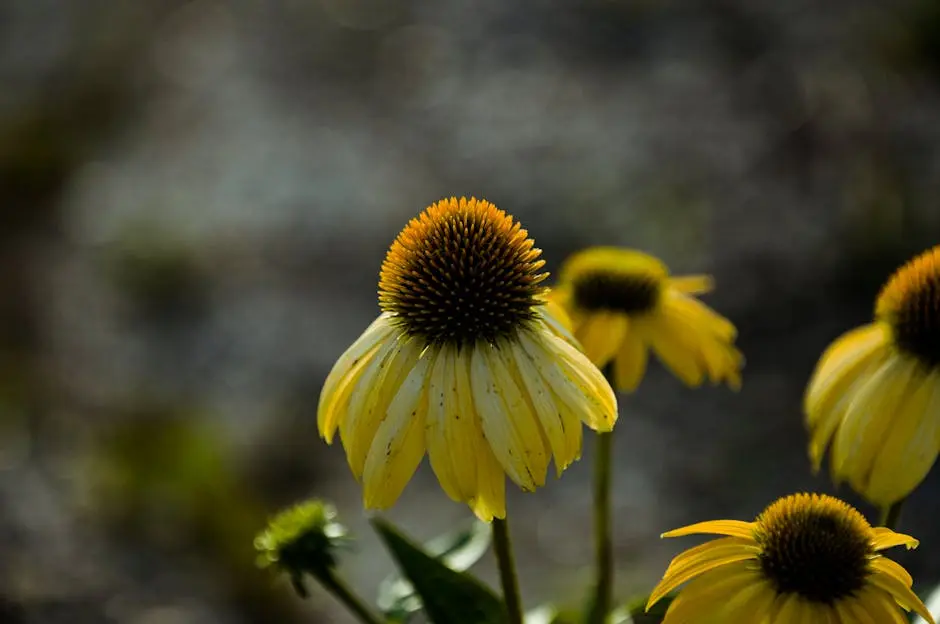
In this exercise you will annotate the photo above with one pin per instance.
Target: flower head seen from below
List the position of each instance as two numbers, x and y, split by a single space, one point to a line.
807 558
623 302
302 540
466 362
874 398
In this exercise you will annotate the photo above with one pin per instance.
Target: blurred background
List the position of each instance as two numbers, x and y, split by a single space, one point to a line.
195 199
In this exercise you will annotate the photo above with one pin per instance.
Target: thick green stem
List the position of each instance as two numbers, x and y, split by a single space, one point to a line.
603 541
891 514
502 546
338 587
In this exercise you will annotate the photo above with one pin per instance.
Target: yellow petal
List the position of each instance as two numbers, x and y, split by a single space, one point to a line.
723 552
572 370
886 538
883 565
371 397
839 367
490 499
399 444
630 361
909 449
349 364
601 335
509 425
867 419
752 604
672 346
443 416
693 284
706 597
876 606
731 528
561 429
901 592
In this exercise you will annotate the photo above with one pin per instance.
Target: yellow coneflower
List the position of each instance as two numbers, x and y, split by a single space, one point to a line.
807 558
622 302
875 394
465 362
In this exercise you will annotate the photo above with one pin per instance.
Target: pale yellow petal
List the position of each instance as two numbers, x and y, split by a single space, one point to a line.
399 443
509 425
442 416
349 364
490 501
576 385
731 528
373 393
909 449
630 361
562 431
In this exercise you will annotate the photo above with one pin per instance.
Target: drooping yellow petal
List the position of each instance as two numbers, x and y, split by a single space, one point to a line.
910 448
671 344
883 565
560 428
731 528
572 378
442 417
722 552
840 365
601 335
399 443
630 361
343 374
886 538
509 425
490 501
373 393
867 420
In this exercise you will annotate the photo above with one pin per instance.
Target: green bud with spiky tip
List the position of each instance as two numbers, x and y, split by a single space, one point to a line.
300 540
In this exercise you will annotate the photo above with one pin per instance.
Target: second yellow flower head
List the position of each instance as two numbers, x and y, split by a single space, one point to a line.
623 302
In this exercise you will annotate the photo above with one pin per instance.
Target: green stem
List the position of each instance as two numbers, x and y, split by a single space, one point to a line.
890 515
338 587
502 545
603 541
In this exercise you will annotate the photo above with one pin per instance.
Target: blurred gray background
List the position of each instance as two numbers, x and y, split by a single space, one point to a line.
195 199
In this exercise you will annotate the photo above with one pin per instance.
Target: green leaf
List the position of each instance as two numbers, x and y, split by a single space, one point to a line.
458 550
448 596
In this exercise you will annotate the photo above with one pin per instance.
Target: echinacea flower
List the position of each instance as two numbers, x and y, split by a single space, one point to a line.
874 397
808 558
466 362
623 302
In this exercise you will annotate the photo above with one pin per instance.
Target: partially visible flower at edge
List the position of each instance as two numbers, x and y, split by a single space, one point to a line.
807 558
874 398
302 539
467 362
623 302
